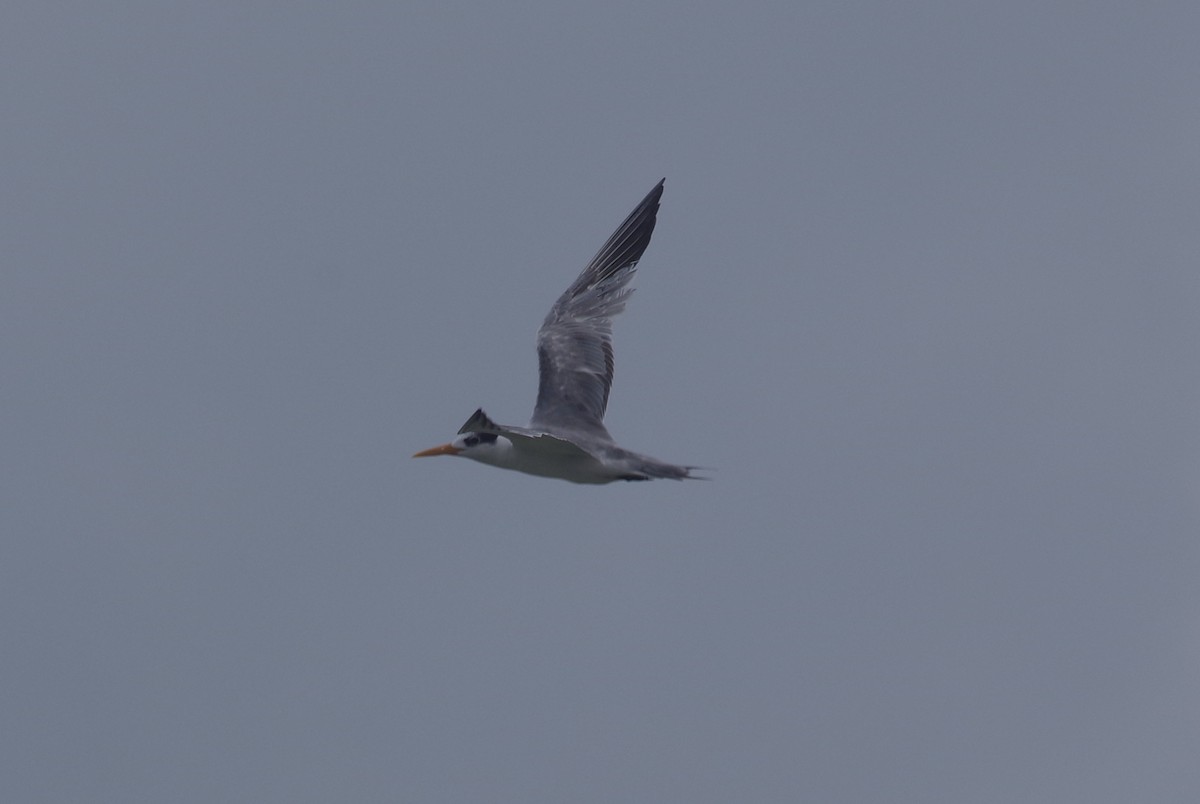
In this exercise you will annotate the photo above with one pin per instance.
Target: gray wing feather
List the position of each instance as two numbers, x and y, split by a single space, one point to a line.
575 354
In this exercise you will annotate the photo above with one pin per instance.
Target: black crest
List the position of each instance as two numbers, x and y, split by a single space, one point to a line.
479 423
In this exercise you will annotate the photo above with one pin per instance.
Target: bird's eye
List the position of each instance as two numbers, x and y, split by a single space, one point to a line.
471 440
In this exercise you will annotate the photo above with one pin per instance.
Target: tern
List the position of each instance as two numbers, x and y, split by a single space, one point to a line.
566 437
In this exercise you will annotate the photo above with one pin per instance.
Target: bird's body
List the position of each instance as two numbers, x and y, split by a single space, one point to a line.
566 437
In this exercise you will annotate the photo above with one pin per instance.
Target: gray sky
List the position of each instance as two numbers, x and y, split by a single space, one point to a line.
924 291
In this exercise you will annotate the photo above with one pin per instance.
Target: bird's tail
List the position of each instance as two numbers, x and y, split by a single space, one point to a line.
649 469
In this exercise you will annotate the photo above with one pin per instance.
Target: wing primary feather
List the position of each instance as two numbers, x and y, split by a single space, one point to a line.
574 344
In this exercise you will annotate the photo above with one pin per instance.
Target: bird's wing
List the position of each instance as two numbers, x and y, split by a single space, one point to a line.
574 345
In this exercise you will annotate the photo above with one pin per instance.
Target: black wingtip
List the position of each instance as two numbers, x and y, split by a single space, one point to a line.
646 211
651 200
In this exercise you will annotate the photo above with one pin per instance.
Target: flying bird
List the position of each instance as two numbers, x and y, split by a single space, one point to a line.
566 437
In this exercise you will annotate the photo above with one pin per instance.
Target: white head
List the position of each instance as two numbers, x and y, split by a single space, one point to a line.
483 447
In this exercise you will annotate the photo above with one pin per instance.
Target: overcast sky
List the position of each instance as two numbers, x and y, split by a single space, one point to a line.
924 291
